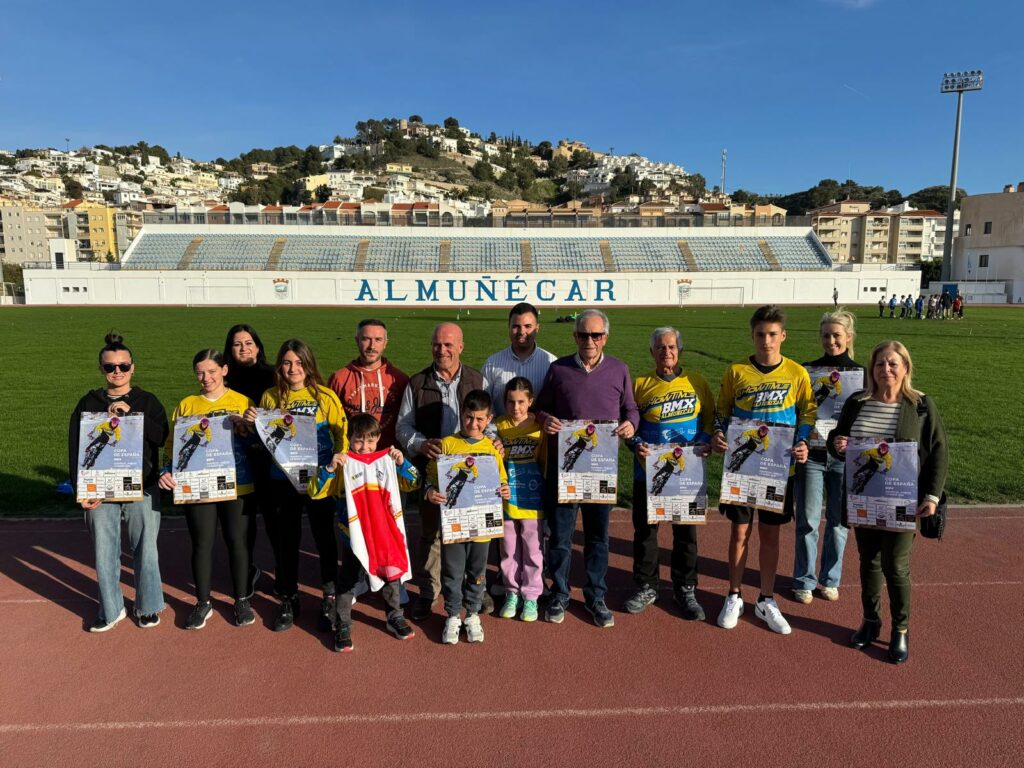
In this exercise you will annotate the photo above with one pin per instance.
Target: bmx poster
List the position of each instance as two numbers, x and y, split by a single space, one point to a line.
110 457
204 459
881 483
473 509
588 462
757 464
832 387
291 440
677 487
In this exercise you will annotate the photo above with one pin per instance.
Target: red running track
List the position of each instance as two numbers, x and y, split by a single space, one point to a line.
652 691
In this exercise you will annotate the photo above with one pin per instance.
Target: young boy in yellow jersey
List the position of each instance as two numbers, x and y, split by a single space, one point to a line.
522 563
466 560
772 388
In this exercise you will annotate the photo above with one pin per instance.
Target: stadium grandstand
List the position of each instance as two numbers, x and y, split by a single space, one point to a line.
346 265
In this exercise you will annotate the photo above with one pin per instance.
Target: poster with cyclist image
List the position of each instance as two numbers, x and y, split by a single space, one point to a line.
881 483
832 387
588 462
203 459
472 507
110 457
677 487
757 464
291 440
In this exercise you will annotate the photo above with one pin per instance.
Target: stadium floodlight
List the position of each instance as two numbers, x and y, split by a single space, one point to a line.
956 82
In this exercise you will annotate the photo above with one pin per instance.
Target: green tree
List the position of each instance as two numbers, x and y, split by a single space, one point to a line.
323 193
310 163
541 191
557 166
451 122
483 171
543 150
337 139
462 147
73 188
936 198
375 193
415 119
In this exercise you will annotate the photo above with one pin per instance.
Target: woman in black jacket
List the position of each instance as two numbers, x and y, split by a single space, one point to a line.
118 397
890 408
251 374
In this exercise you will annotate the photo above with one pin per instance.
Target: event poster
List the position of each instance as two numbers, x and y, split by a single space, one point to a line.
832 387
757 464
110 457
291 440
677 487
472 510
881 483
203 460
588 462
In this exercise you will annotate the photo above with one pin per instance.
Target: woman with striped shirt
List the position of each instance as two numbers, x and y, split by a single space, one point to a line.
892 409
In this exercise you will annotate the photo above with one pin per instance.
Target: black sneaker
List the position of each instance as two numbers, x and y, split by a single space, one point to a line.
243 613
555 612
197 619
102 625
147 620
602 616
686 599
644 597
328 609
399 627
422 608
343 638
254 577
286 614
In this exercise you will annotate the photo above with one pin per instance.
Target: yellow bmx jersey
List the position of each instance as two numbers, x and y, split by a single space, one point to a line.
783 396
114 432
229 402
753 434
331 424
873 454
525 454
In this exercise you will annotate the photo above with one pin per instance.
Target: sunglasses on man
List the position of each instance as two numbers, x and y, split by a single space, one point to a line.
595 335
111 367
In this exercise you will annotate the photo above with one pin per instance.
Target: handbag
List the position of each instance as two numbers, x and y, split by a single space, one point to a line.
933 526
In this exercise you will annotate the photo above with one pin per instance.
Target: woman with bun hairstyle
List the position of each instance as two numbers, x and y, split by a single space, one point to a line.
250 374
300 390
822 476
891 409
216 399
119 397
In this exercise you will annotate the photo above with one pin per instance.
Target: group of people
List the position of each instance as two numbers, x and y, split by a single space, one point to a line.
935 307
371 414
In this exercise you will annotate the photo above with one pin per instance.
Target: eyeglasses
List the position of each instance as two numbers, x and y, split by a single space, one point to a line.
111 367
596 335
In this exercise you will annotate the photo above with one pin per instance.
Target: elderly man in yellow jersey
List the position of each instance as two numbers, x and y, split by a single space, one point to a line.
676 406
772 388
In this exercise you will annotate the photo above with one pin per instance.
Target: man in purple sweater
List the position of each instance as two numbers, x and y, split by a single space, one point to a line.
587 385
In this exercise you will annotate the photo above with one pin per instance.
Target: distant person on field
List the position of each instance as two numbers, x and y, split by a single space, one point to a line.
958 307
773 388
881 306
119 398
919 305
835 298
892 307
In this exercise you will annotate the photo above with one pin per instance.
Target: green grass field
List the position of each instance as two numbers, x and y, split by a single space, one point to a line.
49 361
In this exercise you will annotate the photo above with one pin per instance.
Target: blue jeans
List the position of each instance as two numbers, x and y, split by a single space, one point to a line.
143 518
812 479
595 550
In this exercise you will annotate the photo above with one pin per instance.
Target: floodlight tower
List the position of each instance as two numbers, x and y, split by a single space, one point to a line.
956 82
723 172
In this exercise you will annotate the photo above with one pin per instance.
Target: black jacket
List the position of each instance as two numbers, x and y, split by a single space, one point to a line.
154 432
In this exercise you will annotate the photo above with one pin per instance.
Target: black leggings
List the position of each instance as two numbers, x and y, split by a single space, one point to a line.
202 525
286 513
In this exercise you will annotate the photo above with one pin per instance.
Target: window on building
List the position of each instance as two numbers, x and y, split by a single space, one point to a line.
967 229
988 227
983 260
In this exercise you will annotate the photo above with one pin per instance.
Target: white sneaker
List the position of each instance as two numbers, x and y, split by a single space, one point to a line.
451 630
830 593
767 610
731 612
474 631
804 596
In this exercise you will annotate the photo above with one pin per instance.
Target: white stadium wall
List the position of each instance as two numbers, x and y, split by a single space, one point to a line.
85 283
104 287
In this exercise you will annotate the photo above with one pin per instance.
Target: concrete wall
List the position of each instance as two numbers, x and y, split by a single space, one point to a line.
83 284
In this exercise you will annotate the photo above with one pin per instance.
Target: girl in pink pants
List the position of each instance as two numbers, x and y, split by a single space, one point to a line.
521 560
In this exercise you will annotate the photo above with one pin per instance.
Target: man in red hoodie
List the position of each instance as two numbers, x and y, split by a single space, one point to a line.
371 384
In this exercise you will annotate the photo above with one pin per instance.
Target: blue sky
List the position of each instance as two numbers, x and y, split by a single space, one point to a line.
796 90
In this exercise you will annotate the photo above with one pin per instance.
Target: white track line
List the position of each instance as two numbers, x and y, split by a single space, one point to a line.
398 718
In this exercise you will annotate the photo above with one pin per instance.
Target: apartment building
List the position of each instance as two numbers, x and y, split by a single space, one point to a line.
24 232
990 248
853 233
92 227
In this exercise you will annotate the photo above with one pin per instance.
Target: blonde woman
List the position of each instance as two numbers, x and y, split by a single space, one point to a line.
890 408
